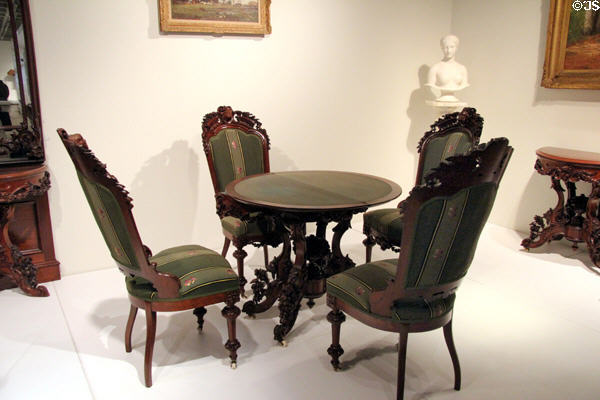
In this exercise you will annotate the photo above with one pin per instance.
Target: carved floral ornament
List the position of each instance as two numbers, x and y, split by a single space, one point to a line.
564 172
225 115
27 191
467 118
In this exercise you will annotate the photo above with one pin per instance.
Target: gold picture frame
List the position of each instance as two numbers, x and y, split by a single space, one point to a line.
246 17
568 65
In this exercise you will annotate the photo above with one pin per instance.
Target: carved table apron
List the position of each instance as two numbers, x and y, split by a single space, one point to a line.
577 218
291 199
20 184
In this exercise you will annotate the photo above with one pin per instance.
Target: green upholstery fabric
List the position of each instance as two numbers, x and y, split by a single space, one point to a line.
356 284
201 272
239 228
386 221
446 234
109 217
235 154
440 148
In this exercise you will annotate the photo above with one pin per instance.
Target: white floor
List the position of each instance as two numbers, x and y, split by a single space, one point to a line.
526 326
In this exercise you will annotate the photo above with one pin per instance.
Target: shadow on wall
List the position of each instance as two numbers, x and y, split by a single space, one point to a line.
165 194
537 198
420 114
279 161
543 94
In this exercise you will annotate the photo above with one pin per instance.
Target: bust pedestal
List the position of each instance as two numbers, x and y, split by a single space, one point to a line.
446 107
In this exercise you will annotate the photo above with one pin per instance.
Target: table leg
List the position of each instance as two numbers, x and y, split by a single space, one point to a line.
293 288
591 225
552 225
339 262
13 263
263 287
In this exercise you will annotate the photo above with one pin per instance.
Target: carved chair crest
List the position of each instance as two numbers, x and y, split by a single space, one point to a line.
467 119
225 117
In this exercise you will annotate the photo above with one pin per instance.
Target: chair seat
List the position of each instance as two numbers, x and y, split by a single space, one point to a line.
387 222
354 286
254 228
201 271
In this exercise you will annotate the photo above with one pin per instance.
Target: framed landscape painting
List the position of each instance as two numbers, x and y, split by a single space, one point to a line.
248 17
573 45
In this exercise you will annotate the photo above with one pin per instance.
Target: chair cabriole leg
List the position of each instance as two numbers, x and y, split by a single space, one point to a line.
199 313
225 247
369 242
231 312
129 328
452 349
150 336
401 364
336 317
266 253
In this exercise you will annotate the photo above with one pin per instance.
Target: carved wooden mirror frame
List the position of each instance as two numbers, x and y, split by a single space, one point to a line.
22 143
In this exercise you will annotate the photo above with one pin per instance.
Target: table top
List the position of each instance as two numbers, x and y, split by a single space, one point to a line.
313 190
569 156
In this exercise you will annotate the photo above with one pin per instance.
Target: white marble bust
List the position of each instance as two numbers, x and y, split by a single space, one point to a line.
448 76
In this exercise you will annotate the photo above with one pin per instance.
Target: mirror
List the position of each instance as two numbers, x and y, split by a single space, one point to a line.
20 123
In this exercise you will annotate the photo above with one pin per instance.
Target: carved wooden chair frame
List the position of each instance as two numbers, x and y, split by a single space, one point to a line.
212 124
451 176
167 285
468 121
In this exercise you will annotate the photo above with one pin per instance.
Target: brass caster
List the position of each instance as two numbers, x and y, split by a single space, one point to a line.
233 365
283 343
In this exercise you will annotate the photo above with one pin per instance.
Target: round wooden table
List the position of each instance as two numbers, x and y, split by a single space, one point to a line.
576 219
291 199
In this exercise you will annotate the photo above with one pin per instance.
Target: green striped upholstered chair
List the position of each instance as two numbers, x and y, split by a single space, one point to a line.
175 279
236 145
450 135
443 219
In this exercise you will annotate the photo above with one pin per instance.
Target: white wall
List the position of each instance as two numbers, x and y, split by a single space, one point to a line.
503 45
338 85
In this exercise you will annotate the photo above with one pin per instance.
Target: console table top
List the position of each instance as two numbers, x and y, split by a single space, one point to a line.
570 156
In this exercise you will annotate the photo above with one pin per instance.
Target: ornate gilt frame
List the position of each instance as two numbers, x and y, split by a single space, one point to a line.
170 24
555 75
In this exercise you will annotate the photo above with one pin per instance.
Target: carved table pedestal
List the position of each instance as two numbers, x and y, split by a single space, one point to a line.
21 188
576 219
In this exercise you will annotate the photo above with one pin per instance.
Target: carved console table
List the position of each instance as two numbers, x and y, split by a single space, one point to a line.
576 219
26 247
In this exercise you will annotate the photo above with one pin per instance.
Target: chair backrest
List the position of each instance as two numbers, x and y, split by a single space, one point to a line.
111 206
235 144
450 135
443 219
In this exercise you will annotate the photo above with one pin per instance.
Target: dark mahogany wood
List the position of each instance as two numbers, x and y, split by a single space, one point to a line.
467 121
167 285
212 124
576 219
26 246
451 176
314 260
